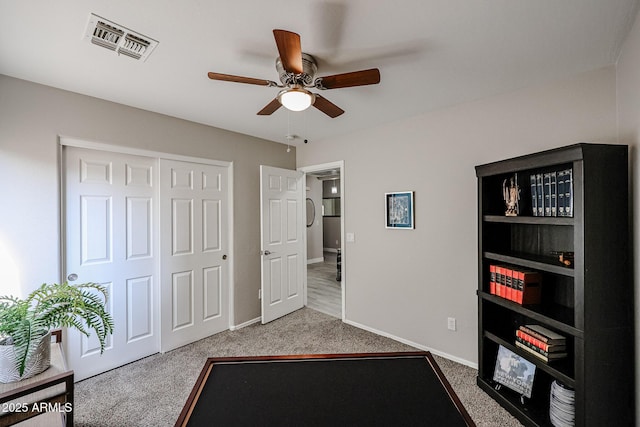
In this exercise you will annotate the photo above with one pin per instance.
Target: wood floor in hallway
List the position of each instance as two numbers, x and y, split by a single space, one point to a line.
324 292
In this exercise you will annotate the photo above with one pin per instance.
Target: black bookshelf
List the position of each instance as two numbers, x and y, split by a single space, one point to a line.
590 302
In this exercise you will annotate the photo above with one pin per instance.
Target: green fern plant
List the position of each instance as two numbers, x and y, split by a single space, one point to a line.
23 322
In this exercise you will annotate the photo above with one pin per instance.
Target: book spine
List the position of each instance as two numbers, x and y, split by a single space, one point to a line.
531 288
492 279
561 191
530 351
554 194
508 283
534 334
532 346
549 334
534 196
519 286
540 194
520 334
499 280
547 193
547 355
568 195
547 348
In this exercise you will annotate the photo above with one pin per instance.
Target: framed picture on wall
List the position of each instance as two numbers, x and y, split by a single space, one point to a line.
399 210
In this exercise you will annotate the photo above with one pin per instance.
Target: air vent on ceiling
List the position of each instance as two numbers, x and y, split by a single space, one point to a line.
119 39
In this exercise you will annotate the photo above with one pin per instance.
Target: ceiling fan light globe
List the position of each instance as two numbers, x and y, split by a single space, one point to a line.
296 99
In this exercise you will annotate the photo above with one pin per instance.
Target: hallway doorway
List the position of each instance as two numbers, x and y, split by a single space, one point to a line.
325 272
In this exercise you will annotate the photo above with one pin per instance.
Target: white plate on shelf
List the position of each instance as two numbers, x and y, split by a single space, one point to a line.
562 409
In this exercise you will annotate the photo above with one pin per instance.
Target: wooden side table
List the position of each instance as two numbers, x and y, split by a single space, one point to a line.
47 396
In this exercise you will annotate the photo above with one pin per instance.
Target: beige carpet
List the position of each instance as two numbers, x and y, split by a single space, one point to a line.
152 391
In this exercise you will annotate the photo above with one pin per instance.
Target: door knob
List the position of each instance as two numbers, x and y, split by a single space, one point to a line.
265 253
72 277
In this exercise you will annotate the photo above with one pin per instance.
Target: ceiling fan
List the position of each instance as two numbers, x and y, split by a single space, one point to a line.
297 72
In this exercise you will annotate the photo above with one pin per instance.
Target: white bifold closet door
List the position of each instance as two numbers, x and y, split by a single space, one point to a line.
155 233
110 221
195 243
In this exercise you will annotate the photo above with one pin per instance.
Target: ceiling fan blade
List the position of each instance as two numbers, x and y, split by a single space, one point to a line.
239 79
327 107
270 108
354 78
290 50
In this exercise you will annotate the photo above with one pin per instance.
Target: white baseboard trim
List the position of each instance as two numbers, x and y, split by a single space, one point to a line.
245 324
335 251
413 344
315 260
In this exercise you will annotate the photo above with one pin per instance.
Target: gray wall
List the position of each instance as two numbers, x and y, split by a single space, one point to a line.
405 283
628 96
32 117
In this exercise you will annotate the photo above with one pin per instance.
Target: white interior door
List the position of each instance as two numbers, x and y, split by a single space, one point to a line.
195 244
110 225
282 235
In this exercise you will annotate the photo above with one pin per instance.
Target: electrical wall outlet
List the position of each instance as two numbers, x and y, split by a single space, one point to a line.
451 323
259 293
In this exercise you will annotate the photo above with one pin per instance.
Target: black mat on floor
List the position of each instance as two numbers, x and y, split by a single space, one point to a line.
400 389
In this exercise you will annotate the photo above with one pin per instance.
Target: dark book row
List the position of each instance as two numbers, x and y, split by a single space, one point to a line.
552 193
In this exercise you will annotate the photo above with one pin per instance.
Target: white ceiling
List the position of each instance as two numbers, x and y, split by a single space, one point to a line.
431 53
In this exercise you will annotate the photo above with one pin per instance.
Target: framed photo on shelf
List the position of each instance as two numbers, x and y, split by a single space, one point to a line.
514 371
399 210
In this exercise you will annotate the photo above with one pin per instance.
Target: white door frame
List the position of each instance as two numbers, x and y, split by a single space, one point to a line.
157 155
339 165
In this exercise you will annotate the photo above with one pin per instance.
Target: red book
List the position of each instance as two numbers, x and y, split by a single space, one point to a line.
531 287
499 280
518 277
528 338
492 279
508 283
549 348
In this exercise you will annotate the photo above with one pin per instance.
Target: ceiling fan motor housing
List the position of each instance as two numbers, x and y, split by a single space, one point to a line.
309 70
301 74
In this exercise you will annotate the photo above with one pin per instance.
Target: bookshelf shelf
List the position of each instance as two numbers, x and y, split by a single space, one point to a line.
529 415
541 263
539 220
548 315
557 369
589 303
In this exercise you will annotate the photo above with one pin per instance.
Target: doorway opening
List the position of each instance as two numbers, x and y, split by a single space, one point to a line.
325 272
